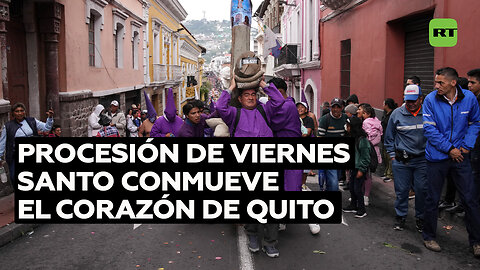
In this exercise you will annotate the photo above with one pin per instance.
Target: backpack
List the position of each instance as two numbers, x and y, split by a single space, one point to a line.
373 158
237 118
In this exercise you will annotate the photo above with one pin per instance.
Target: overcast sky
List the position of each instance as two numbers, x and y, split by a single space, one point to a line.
214 9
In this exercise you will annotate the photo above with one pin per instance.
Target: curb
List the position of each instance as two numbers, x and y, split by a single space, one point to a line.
12 231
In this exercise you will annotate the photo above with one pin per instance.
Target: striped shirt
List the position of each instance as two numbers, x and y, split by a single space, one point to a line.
329 126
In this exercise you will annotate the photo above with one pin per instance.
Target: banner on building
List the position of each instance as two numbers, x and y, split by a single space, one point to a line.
241 12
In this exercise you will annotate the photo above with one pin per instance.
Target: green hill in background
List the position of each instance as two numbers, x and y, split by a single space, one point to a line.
215 36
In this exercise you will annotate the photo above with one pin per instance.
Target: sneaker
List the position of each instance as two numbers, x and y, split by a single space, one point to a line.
411 195
476 250
314 228
457 208
271 251
282 227
399 223
445 205
350 209
305 188
387 179
366 200
432 245
253 243
419 225
360 214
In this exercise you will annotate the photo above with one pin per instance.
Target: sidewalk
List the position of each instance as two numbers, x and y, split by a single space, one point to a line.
9 231
7 208
388 191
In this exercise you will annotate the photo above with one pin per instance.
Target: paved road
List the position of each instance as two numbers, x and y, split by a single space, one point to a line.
368 243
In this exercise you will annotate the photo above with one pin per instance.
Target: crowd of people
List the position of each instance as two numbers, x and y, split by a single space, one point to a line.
422 143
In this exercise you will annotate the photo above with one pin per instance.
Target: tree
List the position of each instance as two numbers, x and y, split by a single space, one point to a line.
205 89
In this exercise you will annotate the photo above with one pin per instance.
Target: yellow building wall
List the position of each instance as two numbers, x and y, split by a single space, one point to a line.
157 12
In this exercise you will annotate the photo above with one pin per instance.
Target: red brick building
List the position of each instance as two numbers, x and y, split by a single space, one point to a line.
369 47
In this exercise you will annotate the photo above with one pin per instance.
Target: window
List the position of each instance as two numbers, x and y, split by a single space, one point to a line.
115 41
118 46
94 18
119 18
345 57
135 42
91 41
135 51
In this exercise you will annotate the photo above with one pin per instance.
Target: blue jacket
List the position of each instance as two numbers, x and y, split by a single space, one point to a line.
450 126
405 133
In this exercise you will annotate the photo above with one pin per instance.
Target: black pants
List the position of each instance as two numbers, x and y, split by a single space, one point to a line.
356 190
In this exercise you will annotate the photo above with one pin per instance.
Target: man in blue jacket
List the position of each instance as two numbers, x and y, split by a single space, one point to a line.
451 118
405 144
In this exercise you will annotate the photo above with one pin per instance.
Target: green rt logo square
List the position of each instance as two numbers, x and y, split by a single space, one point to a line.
443 32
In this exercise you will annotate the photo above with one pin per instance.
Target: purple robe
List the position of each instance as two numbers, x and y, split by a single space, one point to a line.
170 122
162 127
151 112
190 129
286 123
251 122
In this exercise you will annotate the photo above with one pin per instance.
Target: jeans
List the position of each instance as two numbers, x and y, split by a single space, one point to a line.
356 191
322 179
332 180
405 173
451 190
463 178
270 234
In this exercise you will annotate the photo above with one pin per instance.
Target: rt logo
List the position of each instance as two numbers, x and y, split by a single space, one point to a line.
443 32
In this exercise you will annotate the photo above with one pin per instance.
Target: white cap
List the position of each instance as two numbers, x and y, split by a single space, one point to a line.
114 103
412 92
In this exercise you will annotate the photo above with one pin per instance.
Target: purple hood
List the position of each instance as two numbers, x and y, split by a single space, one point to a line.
170 109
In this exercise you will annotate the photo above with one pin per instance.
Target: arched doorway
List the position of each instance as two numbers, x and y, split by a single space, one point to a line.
310 97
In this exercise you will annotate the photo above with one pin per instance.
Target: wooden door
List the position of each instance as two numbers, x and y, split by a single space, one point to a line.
17 71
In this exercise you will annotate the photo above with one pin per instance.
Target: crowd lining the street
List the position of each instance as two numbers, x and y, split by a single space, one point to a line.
421 143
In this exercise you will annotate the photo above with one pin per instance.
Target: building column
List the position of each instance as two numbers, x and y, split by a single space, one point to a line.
50 15
4 17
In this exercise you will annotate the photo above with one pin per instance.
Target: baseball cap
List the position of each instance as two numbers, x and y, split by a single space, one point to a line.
336 101
412 92
114 103
303 103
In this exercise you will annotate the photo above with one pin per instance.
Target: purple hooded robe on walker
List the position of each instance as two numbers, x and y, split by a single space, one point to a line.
251 122
286 123
281 113
170 122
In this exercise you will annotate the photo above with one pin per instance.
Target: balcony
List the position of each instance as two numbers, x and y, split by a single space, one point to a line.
177 73
286 65
159 73
288 55
163 73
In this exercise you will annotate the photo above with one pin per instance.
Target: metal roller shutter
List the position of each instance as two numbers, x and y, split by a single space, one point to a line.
419 55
